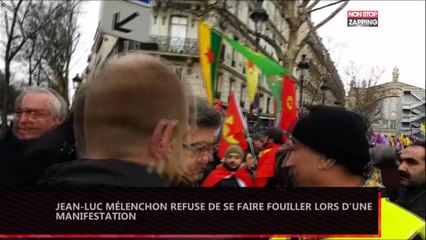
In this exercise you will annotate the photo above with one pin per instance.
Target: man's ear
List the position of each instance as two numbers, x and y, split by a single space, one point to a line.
168 136
57 121
326 163
60 120
161 140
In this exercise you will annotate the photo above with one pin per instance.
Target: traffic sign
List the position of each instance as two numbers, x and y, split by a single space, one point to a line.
126 19
147 3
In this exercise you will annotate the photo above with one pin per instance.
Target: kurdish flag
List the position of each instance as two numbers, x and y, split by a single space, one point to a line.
268 66
210 42
233 131
252 75
275 84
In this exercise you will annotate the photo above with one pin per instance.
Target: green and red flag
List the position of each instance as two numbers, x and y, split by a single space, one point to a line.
275 84
233 131
210 42
268 66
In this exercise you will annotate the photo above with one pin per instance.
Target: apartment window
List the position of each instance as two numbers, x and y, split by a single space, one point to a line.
234 55
242 90
177 33
261 79
231 81
268 102
222 53
218 86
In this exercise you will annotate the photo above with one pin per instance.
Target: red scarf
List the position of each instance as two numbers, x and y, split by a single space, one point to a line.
223 173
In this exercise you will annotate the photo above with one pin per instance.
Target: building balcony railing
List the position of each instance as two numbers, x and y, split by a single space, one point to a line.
176 44
163 44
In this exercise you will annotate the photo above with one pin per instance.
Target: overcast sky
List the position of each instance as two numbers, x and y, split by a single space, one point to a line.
398 41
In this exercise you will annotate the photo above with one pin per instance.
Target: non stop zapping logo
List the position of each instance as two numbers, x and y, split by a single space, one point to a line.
363 18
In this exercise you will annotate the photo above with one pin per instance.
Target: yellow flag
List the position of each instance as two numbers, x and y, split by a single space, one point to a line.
252 75
407 141
401 139
392 141
210 43
422 127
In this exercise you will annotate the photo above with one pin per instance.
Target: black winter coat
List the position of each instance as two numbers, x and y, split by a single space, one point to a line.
22 163
105 172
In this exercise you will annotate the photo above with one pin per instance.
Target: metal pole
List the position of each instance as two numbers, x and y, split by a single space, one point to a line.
257 41
301 93
323 98
258 107
250 142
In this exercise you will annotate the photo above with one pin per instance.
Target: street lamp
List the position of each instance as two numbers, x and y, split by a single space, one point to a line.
76 81
324 87
303 66
259 17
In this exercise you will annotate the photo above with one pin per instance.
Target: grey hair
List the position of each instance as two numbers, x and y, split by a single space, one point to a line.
207 116
54 101
64 106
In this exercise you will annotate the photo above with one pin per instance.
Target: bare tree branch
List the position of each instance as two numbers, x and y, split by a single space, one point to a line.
304 3
239 25
310 7
332 15
364 97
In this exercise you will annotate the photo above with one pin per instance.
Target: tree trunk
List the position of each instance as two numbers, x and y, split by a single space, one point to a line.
292 50
30 73
5 101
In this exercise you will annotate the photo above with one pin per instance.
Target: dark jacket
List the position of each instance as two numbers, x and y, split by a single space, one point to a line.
22 163
11 158
105 172
413 199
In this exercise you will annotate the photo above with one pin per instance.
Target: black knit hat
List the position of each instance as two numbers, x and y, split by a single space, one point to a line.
338 134
275 133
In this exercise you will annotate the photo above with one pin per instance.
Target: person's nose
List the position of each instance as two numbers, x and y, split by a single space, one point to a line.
403 167
204 158
24 118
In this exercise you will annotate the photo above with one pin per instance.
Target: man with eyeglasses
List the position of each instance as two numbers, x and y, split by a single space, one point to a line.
36 140
207 121
37 114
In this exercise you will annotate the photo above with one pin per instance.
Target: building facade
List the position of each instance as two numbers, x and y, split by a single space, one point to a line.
174 37
400 108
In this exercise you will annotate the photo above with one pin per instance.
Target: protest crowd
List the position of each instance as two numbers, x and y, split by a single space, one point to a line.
136 125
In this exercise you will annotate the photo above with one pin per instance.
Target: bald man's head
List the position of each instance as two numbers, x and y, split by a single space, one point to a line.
126 102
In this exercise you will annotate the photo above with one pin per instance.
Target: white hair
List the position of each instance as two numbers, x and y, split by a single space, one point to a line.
54 100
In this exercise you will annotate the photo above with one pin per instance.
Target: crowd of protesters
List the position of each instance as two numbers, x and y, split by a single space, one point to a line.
135 125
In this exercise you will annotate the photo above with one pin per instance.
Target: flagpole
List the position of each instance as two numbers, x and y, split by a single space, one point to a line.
249 140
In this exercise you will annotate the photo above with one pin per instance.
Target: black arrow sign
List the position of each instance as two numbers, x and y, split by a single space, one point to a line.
117 25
